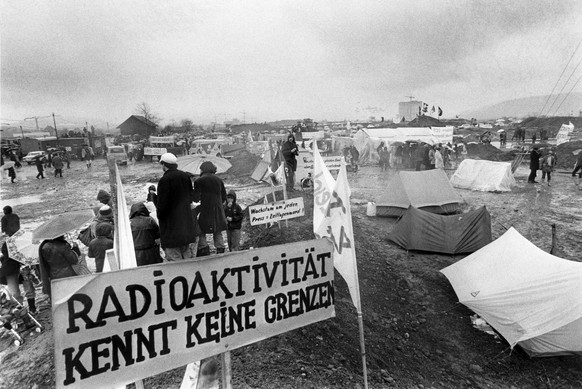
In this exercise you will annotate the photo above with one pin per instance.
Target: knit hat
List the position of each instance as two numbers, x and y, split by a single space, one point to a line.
152 187
103 196
105 211
103 229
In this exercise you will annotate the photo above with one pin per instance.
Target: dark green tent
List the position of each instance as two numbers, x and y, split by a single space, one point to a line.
453 234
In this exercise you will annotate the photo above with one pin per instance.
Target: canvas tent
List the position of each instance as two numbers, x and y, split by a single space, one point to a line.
532 298
428 190
487 176
453 234
367 140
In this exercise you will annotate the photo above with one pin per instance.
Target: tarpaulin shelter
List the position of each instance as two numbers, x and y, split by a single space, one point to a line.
532 298
453 234
429 190
487 176
367 140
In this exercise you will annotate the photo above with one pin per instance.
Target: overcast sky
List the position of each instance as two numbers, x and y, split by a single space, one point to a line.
268 60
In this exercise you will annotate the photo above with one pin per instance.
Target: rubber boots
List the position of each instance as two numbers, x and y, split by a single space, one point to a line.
31 305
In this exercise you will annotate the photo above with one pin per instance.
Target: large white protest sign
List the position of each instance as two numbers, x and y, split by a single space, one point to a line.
442 135
564 133
306 163
115 328
161 139
277 211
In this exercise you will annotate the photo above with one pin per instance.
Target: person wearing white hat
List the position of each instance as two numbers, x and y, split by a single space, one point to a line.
175 195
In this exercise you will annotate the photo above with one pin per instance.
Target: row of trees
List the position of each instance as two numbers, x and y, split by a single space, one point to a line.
186 125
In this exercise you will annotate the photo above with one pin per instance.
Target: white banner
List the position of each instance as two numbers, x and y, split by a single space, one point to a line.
118 327
162 139
563 135
442 135
306 162
277 211
154 150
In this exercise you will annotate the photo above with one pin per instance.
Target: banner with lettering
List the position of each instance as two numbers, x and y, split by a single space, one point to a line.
118 327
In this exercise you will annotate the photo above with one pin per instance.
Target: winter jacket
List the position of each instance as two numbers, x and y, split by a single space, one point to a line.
534 160
145 231
548 162
210 192
58 162
10 224
8 266
438 160
175 194
56 258
288 154
235 212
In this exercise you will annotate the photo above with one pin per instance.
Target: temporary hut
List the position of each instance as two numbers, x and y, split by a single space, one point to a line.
487 176
428 190
532 298
453 234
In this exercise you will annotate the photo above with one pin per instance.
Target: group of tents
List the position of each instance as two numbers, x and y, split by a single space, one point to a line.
531 298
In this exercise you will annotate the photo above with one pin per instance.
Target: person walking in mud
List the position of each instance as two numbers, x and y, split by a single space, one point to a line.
578 166
39 167
548 162
175 196
58 165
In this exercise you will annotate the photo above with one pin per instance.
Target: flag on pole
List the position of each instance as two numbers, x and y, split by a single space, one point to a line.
441 112
337 225
126 251
323 184
250 137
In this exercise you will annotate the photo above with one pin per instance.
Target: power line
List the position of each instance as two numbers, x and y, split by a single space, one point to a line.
568 94
566 83
557 81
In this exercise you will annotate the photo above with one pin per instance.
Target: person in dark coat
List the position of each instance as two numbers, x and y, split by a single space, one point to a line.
534 165
234 216
39 167
56 259
12 174
10 221
210 192
105 215
100 244
146 235
175 195
58 165
290 151
152 196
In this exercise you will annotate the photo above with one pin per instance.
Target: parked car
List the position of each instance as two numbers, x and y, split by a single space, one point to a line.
30 157
118 154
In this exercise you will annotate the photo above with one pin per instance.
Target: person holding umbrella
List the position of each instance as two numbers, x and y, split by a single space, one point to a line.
57 258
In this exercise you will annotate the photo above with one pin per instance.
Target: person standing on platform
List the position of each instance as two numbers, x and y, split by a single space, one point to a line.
290 151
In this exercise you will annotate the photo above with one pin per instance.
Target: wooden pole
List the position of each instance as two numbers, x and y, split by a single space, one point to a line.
553 249
282 160
226 370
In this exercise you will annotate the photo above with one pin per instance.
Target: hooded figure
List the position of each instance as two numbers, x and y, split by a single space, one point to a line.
146 235
290 151
234 216
56 258
105 215
210 192
98 246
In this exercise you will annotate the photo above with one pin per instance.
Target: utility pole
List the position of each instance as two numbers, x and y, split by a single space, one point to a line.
56 133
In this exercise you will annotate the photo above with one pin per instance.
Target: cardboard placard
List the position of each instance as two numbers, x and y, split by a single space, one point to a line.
114 328
277 211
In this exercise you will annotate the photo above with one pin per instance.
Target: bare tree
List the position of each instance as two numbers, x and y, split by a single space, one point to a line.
187 125
144 110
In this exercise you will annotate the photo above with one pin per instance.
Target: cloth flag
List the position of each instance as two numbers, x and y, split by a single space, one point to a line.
432 110
250 137
337 226
441 112
323 184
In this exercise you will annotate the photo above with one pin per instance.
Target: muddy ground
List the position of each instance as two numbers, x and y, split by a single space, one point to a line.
417 334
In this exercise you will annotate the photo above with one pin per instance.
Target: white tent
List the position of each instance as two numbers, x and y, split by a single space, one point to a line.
487 176
532 298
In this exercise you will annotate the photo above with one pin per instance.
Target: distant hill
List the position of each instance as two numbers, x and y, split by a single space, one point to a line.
528 106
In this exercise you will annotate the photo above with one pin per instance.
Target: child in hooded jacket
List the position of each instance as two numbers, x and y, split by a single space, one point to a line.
234 216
